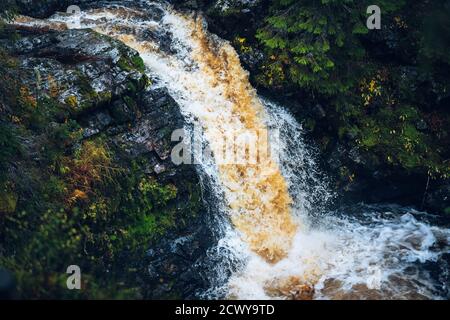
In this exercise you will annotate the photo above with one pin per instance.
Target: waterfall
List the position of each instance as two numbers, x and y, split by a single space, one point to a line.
206 79
263 209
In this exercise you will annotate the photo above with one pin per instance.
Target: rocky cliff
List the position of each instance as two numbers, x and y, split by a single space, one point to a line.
86 142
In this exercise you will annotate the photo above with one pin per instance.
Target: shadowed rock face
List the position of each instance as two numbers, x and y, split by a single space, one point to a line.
7 284
175 262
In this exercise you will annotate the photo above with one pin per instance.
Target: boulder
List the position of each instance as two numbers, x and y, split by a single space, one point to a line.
439 199
80 68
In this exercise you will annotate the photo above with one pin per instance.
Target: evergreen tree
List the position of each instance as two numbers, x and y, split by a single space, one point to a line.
317 44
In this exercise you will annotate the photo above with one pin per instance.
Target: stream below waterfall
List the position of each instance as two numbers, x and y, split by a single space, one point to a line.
277 239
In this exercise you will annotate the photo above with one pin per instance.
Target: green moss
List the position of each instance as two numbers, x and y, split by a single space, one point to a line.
8 202
116 213
130 102
9 147
72 101
105 96
138 63
132 64
89 97
131 87
82 202
159 194
310 124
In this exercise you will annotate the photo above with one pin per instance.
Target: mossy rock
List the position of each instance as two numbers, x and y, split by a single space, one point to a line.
8 202
133 63
81 69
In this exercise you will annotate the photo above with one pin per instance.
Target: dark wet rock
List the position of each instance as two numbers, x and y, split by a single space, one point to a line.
181 257
439 199
96 123
335 160
319 111
252 60
159 168
152 132
173 263
422 125
80 68
358 176
121 112
166 111
7 285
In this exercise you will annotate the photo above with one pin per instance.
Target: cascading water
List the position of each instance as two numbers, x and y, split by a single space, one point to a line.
264 209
